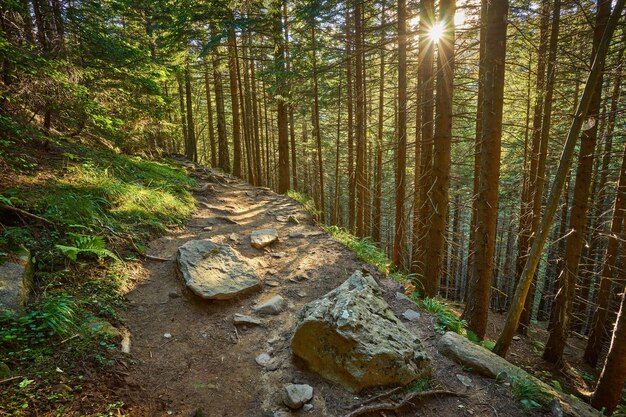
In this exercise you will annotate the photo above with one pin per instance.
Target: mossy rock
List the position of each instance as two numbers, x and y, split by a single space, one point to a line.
5 371
103 327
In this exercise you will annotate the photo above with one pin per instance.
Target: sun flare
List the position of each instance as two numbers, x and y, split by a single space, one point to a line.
436 32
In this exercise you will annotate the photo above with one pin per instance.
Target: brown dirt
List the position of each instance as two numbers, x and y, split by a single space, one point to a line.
208 364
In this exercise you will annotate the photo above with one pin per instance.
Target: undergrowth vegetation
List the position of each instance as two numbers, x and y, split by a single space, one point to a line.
96 207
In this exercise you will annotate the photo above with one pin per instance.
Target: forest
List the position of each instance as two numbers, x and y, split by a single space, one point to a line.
477 147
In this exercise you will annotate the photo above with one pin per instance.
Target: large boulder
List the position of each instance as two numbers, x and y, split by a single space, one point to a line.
487 363
350 336
215 271
16 276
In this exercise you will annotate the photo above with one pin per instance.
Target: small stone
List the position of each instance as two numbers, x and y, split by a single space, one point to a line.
296 235
259 239
173 295
167 335
246 320
278 255
464 380
307 407
301 294
274 305
207 228
402 296
272 283
281 219
516 338
296 395
263 359
411 315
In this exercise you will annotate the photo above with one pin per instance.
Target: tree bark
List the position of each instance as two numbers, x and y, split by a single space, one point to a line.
441 151
477 308
397 255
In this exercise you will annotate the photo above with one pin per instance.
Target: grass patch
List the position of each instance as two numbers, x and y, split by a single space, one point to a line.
531 396
100 187
96 198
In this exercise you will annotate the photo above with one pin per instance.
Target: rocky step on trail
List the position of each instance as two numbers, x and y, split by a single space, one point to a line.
240 321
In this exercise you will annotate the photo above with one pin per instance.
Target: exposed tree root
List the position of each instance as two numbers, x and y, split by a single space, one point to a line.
409 399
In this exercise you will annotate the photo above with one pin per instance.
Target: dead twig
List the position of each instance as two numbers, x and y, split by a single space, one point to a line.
70 338
26 213
11 379
404 402
495 412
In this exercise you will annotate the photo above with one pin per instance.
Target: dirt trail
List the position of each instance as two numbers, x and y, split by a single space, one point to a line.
210 365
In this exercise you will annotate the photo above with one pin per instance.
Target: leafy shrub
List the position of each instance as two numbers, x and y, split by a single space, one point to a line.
82 244
530 395
447 319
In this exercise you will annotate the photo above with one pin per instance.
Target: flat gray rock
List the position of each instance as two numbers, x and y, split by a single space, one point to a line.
351 336
215 271
274 305
15 281
262 238
296 395
411 315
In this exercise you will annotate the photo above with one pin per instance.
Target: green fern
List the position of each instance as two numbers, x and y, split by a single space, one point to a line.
86 244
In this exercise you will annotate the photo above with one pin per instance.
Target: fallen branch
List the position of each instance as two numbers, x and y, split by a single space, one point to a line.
26 213
11 379
404 402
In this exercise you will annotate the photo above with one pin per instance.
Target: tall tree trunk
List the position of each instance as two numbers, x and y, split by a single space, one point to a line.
360 121
209 109
529 189
190 146
181 104
478 134
234 99
512 320
292 128
477 308
336 215
281 105
599 323
378 182
441 151
318 133
349 95
578 213
397 255
425 88
608 391
223 154
602 203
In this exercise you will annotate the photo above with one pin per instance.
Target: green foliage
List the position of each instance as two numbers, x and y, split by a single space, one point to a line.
364 248
82 244
104 188
530 395
418 385
447 320
306 201
55 315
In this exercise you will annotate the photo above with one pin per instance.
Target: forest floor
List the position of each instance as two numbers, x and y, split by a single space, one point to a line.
207 366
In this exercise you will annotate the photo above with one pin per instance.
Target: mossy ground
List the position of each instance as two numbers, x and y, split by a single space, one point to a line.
53 350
